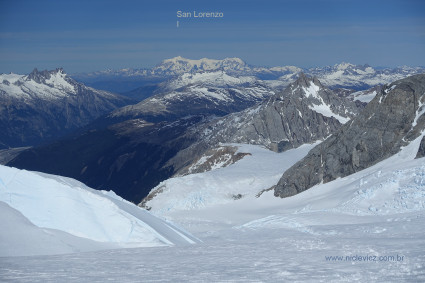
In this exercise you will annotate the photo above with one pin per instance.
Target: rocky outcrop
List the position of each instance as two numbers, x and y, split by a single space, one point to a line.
218 157
391 120
421 150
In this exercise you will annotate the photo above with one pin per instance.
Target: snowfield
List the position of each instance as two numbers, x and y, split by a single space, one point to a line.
322 107
366 226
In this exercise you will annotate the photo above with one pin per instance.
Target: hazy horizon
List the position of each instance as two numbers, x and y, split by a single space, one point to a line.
87 36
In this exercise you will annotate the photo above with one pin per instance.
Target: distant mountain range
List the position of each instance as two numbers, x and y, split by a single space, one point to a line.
347 75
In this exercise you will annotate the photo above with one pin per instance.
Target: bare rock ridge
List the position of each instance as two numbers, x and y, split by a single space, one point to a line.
391 120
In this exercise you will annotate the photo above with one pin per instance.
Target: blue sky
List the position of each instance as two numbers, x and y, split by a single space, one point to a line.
83 36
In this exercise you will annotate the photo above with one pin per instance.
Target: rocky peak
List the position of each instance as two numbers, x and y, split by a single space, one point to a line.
302 80
42 76
38 76
305 81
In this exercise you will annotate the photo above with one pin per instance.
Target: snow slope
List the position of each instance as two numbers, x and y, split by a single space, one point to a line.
322 107
20 237
67 205
247 177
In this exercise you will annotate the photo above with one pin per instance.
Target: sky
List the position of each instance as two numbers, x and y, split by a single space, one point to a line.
85 36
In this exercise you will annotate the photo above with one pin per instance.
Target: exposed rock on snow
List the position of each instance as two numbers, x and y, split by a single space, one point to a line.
390 121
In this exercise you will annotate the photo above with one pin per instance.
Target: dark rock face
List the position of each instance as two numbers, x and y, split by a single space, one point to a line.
391 120
48 104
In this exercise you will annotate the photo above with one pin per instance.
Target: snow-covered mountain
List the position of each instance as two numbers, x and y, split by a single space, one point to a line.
215 93
54 214
179 65
45 85
46 104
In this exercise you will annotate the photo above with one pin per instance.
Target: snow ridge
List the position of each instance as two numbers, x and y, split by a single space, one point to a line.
64 204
